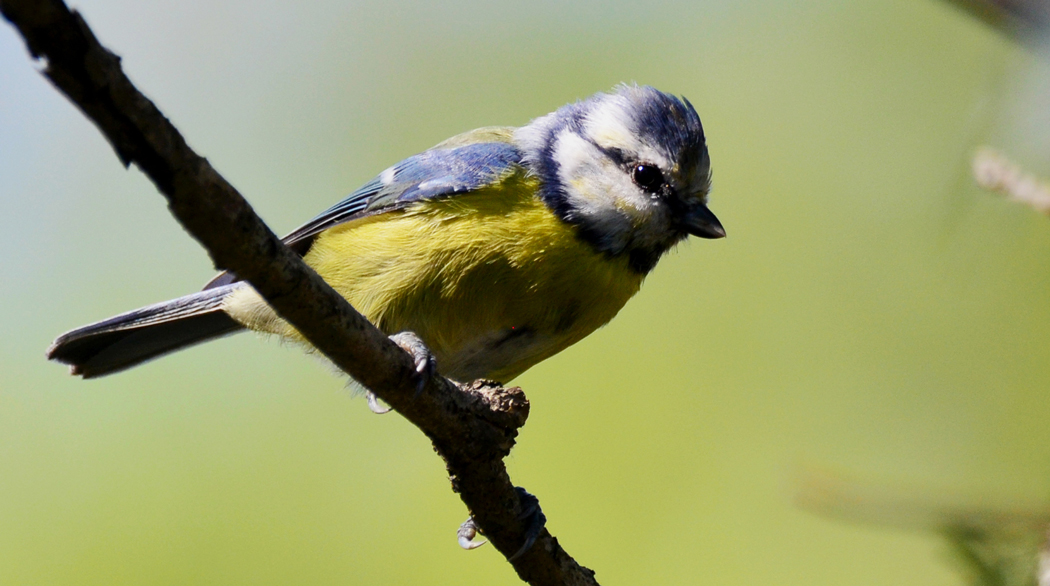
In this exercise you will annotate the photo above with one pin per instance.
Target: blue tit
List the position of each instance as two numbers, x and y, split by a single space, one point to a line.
498 248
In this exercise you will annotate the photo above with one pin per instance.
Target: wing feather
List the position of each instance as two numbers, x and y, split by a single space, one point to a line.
453 167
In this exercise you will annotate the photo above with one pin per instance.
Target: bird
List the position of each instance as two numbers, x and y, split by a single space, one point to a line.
495 249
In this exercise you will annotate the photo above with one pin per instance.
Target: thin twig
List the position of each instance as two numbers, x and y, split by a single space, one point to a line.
1026 20
994 172
472 428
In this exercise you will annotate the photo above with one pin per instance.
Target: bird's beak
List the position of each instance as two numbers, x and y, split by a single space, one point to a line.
699 221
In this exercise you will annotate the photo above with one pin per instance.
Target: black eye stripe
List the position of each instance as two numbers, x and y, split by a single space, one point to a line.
648 177
615 155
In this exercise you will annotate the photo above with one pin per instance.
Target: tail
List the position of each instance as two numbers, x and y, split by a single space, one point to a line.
132 338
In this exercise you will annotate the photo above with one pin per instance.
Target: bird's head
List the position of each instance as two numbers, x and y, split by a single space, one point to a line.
629 168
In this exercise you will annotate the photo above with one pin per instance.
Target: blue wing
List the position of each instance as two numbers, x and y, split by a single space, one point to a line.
439 172
450 168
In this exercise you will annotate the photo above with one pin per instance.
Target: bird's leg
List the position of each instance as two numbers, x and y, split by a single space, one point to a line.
426 365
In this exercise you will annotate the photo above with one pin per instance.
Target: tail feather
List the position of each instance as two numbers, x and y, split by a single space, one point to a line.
132 338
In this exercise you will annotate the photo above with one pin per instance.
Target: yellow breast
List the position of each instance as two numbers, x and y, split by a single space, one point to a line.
492 281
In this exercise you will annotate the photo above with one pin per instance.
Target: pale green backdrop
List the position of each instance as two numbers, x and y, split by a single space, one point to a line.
870 313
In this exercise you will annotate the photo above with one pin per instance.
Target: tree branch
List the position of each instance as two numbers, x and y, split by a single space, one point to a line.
994 172
472 428
1025 19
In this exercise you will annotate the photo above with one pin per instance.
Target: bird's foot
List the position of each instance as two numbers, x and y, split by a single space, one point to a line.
426 364
531 512
424 361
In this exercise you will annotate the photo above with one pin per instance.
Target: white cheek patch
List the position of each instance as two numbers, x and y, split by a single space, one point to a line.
602 194
578 163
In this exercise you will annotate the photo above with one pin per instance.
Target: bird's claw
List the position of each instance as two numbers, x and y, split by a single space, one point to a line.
531 511
423 359
465 535
426 365
373 404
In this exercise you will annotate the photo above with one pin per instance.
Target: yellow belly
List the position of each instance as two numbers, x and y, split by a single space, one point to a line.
492 281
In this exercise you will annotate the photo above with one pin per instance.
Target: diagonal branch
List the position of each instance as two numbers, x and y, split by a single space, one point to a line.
472 428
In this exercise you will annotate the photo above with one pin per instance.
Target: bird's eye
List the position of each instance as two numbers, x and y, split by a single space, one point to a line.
648 177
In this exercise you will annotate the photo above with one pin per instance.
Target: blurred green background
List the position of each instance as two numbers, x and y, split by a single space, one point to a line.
870 313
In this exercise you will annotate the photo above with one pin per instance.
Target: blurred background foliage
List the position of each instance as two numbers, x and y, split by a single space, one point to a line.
871 313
